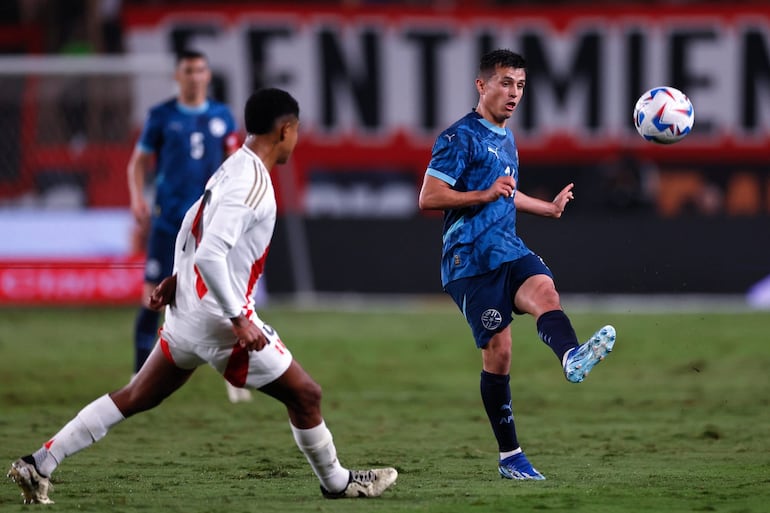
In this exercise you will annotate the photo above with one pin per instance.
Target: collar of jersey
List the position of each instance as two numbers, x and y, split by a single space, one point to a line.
490 126
250 152
185 109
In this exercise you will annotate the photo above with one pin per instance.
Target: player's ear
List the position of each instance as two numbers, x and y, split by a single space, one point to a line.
285 126
480 85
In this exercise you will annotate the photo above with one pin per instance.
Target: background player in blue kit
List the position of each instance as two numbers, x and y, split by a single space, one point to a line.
486 268
186 138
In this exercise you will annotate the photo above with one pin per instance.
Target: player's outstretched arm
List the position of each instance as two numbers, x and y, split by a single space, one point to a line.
438 195
543 208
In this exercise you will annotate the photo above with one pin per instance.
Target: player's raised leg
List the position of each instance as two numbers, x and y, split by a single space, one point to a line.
538 297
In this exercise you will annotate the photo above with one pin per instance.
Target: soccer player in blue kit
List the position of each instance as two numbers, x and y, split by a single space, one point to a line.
187 137
485 267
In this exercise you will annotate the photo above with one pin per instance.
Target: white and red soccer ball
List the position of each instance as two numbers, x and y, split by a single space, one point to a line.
663 115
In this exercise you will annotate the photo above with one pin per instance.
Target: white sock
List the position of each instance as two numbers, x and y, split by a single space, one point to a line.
89 426
504 455
318 447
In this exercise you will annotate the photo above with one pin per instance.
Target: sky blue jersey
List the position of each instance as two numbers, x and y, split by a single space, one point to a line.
189 145
470 155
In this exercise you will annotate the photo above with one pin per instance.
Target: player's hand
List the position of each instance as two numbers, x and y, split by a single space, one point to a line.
140 210
249 336
561 199
503 187
163 294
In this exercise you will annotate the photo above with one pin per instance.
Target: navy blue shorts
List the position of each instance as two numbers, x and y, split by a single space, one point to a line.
160 255
486 300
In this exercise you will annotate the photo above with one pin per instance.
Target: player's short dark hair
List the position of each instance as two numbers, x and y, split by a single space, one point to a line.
265 106
501 57
190 54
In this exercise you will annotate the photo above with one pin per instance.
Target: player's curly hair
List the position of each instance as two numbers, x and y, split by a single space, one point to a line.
501 57
265 106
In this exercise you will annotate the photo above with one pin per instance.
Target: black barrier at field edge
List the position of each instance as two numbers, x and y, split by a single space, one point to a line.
587 254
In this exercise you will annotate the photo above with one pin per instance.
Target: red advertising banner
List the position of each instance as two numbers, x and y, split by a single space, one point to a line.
83 281
376 84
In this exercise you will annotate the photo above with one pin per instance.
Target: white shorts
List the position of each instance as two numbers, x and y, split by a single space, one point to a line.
214 343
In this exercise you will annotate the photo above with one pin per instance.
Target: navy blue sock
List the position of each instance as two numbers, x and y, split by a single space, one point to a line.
556 331
496 395
145 333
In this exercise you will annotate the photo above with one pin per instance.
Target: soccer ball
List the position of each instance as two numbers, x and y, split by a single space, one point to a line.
663 115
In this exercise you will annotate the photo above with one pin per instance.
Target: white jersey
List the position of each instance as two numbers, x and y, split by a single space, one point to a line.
222 245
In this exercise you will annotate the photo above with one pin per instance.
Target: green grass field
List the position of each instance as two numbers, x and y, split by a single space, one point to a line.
677 419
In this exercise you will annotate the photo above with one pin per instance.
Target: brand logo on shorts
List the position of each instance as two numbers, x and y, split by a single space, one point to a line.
491 319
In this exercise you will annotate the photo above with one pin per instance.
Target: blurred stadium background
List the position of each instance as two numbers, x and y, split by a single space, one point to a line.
377 80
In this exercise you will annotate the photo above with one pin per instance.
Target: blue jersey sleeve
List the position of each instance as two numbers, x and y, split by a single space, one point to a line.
450 156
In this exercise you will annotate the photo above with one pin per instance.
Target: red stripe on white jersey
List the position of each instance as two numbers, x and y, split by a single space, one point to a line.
200 285
197 228
257 268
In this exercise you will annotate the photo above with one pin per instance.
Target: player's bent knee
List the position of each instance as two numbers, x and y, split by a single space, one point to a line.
310 395
547 299
131 400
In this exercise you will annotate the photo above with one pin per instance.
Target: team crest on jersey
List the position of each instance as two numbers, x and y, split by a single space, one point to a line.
217 127
491 319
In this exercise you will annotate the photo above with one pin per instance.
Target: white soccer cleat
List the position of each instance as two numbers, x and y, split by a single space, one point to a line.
34 487
237 395
365 483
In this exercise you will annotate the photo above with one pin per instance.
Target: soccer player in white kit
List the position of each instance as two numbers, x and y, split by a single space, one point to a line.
210 318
